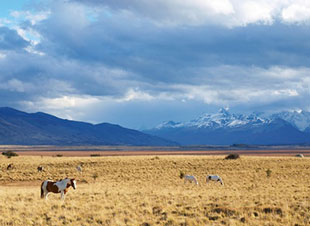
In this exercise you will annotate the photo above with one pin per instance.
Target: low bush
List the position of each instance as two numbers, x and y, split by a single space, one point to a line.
232 156
182 174
268 172
9 154
155 158
95 176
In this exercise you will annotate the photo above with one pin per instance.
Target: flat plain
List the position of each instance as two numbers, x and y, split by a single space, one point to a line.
147 190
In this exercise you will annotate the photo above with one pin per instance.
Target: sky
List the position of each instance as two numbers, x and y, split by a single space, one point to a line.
137 63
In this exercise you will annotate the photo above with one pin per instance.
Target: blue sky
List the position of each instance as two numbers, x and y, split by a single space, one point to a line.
138 63
12 5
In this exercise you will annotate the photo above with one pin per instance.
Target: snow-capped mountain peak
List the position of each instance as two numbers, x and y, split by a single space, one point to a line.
227 128
298 118
223 118
169 124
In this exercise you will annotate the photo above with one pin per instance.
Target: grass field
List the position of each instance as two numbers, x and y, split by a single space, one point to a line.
147 190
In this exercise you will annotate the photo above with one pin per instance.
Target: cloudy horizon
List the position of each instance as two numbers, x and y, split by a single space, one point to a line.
139 63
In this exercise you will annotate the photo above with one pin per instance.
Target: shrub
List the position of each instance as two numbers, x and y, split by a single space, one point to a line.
155 158
182 174
9 154
95 176
268 172
95 155
232 156
59 155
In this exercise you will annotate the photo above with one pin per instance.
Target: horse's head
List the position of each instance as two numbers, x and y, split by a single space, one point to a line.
73 183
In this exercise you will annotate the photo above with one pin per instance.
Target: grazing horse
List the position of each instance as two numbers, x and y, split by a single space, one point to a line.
214 178
40 168
61 186
10 166
300 156
189 178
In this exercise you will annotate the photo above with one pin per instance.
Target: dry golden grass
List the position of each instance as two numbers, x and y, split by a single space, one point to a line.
147 190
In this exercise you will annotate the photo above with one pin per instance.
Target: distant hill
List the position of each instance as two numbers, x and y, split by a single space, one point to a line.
21 128
225 128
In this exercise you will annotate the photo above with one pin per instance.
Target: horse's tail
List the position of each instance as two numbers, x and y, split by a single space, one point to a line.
42 191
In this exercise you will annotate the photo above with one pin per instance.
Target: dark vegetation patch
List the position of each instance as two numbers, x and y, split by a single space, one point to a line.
145 224
232 156
225 211
9 154
268 172
156 211
275 210
213 218
155 158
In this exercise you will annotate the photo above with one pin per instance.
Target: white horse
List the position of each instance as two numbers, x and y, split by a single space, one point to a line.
214 178
191 179
61 186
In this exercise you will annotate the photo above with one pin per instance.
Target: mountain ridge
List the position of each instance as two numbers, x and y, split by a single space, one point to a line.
21 128
225 128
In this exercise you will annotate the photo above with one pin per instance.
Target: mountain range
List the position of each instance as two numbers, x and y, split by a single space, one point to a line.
221 128
225 128
21 128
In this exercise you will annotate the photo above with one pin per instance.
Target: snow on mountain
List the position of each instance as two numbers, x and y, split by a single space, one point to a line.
299 119
169 124
225 128
223 118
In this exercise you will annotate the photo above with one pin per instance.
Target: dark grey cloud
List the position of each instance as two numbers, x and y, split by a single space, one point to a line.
10 40
155 52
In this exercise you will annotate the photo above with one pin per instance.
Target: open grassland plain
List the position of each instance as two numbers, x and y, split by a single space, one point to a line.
147 190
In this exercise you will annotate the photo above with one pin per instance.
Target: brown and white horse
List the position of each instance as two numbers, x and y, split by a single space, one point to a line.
10 166
61 186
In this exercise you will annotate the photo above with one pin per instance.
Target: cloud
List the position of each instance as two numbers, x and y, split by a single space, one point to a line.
297 13
142 62
33 18
118 39
16 85
230 13
10 40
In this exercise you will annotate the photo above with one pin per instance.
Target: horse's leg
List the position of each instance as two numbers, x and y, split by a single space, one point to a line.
45 194
62 196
